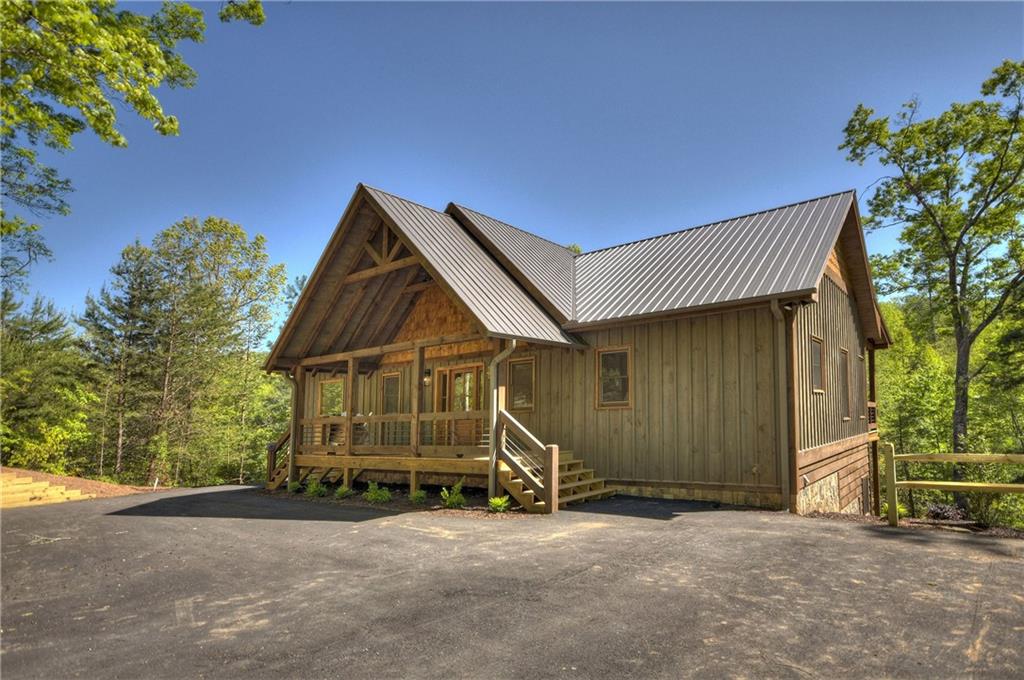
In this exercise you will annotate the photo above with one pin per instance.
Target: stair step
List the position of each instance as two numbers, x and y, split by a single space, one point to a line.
10 478
586 472
587 495
564 486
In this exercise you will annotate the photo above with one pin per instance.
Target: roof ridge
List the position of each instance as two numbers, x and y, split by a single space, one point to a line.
403 198
711 224
512 226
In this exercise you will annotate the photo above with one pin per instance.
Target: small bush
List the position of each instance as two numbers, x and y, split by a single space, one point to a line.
453 498
294 487
314 489
901 510
499 504
418 497
376 494
342 492
945 511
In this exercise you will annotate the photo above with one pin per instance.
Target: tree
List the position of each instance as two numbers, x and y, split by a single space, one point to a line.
65 67
955 191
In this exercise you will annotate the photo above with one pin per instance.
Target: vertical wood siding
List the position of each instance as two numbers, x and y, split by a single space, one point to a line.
703 408
833 319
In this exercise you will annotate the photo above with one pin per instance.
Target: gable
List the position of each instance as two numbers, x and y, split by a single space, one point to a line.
436 315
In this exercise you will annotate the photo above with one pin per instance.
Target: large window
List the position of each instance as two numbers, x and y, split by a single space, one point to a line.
331 398
390 393
844 384
817 365
613 388
520 384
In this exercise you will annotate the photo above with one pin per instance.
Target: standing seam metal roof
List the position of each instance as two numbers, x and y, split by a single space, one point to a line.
545 264
490 293
770 253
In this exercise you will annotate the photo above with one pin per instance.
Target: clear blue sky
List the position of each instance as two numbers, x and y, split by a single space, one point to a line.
594 124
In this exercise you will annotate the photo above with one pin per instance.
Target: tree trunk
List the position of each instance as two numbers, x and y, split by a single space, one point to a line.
961 386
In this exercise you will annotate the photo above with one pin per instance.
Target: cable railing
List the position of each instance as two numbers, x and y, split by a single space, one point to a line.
535 463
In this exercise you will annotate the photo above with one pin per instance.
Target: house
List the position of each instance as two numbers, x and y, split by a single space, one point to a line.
733 361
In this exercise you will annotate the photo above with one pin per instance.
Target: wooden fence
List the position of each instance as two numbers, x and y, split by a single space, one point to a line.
892 483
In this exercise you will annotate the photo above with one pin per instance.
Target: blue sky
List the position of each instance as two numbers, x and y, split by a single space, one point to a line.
594 124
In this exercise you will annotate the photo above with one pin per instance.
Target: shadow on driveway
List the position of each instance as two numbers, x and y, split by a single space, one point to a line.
646 508
250 503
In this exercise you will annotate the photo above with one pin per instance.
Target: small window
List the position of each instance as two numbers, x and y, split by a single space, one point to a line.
844 383
817 365
613 378
520 384
331 400
390 393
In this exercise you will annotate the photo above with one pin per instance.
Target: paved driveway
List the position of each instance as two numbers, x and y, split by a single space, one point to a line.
226 582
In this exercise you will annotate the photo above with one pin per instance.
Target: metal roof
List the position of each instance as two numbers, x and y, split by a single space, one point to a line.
501 306
765 254
544 267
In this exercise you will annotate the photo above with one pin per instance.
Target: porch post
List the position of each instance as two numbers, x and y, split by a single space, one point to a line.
497 404
298 413
417 395
350 402
876 500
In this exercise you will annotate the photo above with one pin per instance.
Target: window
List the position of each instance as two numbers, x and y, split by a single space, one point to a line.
613 378
520 384
844 384
331 398
390 393
817 365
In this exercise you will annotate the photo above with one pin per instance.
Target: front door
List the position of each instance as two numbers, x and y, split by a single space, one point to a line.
461 392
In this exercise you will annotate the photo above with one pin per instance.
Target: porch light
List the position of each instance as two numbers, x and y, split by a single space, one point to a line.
426 377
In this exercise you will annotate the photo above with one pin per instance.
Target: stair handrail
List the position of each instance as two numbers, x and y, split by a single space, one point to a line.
272 450
540 471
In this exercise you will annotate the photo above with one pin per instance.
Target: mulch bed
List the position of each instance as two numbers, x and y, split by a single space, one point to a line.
92 487
476 503
924 524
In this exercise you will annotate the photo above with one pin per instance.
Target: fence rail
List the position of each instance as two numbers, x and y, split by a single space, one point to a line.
892 484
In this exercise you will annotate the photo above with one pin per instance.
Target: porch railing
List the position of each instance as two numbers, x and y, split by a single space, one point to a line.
530 459
447 433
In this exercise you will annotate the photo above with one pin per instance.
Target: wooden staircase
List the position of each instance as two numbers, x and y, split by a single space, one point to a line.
18 491
576 483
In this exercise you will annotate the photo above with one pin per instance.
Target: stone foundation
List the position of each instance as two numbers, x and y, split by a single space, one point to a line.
821 496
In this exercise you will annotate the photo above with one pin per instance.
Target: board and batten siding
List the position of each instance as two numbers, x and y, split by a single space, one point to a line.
703 410
833 319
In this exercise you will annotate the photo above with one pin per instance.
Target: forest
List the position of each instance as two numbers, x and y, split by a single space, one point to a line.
159 380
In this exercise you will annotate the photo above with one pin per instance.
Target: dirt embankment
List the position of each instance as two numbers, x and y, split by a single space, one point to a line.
92 487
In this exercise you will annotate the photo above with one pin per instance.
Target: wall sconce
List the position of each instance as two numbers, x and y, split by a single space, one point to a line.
426 377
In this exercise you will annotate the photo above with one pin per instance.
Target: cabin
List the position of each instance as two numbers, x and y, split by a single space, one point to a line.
731 361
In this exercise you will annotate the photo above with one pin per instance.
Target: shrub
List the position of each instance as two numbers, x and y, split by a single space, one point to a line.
418 497
294 487
453 498
376 494
499 504
342 492
314 489
945 511
901 510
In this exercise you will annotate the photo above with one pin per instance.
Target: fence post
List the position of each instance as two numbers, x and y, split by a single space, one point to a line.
271 459
890 486
551 477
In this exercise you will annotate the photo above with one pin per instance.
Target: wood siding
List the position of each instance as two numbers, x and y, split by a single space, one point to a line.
835 321
702 411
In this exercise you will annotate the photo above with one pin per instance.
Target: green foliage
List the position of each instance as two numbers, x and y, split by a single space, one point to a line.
419 497
294 487
499 504
342 492
453 498
574 248
901 510
376 494
314 489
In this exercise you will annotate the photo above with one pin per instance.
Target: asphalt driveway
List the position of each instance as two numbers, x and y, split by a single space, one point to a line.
227 582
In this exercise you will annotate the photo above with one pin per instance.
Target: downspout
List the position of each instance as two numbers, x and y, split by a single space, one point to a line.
785 406
492 467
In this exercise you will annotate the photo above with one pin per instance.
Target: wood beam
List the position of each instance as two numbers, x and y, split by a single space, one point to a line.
387 349
386 268
374 255
345 318
386 316
417 395
419 287
350 405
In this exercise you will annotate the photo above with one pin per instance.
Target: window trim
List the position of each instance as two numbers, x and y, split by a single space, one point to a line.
628 349
849 388
821 364
384 376
509 403
320 396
